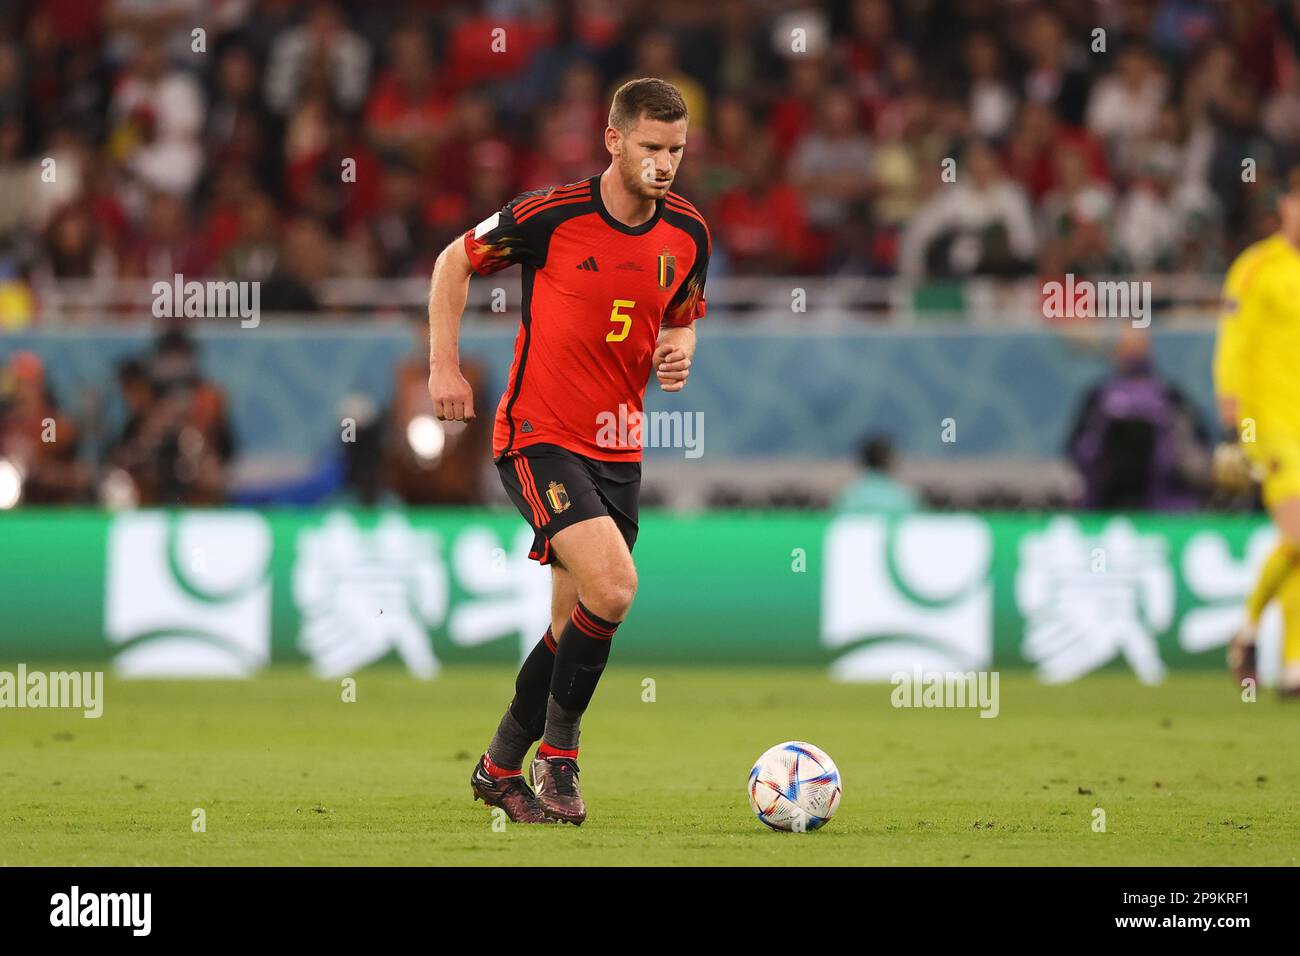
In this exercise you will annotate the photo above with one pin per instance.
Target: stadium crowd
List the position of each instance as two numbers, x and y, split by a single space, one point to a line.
1093 136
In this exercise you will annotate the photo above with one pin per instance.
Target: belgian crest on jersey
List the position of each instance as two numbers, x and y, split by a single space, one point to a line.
557 496
667 268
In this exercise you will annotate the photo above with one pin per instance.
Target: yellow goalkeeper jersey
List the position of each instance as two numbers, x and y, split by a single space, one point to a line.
1257 356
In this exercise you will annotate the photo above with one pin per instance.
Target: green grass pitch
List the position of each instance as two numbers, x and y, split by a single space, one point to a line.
289 774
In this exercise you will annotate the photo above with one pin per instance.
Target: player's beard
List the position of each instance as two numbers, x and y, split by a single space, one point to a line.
630 171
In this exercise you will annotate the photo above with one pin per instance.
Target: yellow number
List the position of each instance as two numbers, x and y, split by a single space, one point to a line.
618 335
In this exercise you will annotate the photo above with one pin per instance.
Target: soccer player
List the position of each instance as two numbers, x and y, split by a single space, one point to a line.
613 278
1257 380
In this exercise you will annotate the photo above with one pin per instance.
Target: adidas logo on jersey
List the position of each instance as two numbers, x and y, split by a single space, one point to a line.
588 264
527 425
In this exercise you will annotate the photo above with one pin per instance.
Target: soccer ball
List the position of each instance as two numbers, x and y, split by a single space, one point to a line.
794 786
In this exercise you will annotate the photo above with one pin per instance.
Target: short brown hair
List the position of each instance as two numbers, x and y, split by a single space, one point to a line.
654 98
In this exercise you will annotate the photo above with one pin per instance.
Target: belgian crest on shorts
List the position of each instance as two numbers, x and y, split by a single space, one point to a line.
557 496
667 268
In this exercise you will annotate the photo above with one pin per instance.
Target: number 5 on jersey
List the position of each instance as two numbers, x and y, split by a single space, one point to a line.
618 335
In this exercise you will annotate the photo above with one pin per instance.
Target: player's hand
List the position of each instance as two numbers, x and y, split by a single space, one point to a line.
1228 412
1231 469
453 398
671 366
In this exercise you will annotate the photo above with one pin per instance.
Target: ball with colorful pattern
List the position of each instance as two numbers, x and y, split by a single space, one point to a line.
795 786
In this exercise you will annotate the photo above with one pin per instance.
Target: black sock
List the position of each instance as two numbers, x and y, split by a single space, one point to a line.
525 718
579 661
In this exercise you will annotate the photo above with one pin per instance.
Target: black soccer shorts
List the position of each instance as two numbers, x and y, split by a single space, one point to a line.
553 488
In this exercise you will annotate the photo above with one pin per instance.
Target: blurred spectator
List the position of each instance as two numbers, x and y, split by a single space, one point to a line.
136 390
991 102
1148 229
1125 104
156 118
407 112
1037 138
74 249
168 244
876 490
426 461
573 39
742 57
323 56
327 145
1280 117
791 115
490 187
399 227
654 53
230 187
1222 109
831 166
761 222
1076 220
564 154
305 259
716 167
239 128
17 177
363 457
1055 77
1136 441
36 438
580 101
13 88
60 182
176 444
899 157
256 249
979 225
475 141
867 49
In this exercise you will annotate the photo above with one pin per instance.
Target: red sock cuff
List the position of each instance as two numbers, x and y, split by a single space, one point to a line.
546 750
498 772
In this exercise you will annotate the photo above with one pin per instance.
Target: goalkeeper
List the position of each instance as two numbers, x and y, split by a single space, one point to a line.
1257 382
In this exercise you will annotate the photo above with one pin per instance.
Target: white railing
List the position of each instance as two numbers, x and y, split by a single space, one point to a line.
797 299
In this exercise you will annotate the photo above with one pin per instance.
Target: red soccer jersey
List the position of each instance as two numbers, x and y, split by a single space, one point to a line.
595 293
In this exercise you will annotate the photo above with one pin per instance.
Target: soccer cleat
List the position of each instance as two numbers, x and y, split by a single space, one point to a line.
512 794
556 781
1241 656
1288 687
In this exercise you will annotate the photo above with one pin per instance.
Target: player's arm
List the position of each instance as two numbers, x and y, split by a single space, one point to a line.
499 241
676 346
1232 343
1230 470
453 398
